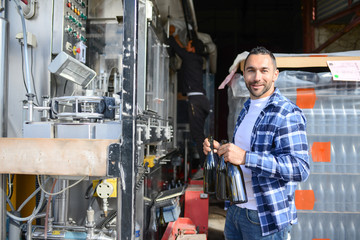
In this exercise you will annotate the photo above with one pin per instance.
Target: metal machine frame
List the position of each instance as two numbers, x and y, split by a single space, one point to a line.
142 131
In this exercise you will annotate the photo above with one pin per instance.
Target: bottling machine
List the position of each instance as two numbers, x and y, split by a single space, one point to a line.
88 112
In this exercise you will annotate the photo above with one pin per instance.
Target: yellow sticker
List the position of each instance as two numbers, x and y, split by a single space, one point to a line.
56 232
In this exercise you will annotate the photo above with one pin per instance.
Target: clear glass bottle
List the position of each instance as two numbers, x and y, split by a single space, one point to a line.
236 184
221 173
210 170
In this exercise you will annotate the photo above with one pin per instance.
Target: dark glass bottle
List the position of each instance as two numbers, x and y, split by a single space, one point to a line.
210 170
222 192
236 184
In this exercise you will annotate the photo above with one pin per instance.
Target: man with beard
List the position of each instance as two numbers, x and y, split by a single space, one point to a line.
270 145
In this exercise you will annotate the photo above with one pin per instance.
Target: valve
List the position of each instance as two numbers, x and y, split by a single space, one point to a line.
104 191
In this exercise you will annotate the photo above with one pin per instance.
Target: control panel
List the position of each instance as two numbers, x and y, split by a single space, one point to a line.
69 33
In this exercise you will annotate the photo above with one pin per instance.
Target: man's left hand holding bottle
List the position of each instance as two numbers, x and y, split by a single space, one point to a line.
230 151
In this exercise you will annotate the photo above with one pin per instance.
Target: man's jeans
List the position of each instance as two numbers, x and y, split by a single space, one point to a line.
244 224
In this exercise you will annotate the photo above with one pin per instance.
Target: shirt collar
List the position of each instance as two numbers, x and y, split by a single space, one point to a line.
274 99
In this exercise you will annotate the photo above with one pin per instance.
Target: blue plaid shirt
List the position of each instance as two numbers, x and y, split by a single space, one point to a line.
278 159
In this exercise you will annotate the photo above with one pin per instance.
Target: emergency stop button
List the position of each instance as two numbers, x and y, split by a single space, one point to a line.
76 50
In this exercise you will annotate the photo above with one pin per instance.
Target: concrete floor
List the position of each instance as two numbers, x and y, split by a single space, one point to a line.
216 222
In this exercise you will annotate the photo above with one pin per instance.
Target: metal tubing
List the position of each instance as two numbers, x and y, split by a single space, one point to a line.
3 206
29 226
61 203
128 156
4 31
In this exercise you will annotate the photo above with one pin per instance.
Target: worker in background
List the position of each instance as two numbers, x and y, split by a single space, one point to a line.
191 78
270 145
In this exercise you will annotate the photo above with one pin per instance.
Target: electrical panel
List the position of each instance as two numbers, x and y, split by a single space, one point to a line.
69 28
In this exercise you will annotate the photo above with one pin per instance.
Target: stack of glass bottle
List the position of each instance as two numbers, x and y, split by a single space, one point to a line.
335 121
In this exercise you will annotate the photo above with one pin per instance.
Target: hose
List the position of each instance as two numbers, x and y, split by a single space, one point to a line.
63 190
34 213
10 203
103 224
30 197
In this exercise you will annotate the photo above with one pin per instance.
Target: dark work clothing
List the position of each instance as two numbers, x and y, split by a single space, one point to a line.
191 73
198 110
191 77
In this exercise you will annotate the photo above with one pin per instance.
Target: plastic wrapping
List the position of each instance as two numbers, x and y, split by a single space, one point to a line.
333 129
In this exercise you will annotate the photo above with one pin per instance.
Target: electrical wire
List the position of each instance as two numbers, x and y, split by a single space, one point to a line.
10 185
66 82
108 219
26 59
63 190
91 196
22 68
32 75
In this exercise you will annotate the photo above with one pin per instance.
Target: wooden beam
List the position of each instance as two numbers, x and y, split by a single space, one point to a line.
71 157
306 61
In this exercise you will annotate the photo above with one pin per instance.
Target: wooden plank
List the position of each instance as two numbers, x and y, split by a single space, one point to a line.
72 157
307 61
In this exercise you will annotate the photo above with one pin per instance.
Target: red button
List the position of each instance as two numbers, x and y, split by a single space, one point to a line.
78 50
69 5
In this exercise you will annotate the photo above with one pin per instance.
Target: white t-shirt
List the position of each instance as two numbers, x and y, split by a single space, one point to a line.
242 140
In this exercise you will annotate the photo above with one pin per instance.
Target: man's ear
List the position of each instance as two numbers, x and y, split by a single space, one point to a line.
276 75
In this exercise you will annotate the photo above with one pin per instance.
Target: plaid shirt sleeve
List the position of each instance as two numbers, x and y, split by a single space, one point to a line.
286 156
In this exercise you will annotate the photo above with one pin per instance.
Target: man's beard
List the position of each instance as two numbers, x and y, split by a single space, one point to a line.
258 94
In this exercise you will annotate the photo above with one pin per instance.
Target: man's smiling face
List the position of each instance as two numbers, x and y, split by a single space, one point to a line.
260 75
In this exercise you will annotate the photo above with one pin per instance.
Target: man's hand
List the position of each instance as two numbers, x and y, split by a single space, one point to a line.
232 153
206 146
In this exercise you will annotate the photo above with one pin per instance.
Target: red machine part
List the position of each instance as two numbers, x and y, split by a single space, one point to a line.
197 205
182 228
194 224
181 225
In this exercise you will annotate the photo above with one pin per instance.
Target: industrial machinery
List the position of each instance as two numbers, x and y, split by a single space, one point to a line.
86 96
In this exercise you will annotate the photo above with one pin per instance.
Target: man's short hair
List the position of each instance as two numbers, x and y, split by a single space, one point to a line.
261 51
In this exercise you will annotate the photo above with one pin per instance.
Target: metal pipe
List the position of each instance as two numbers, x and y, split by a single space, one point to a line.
29 226
4 32
3 206
61 206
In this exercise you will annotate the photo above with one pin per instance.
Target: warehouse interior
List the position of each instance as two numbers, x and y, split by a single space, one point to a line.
94 140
